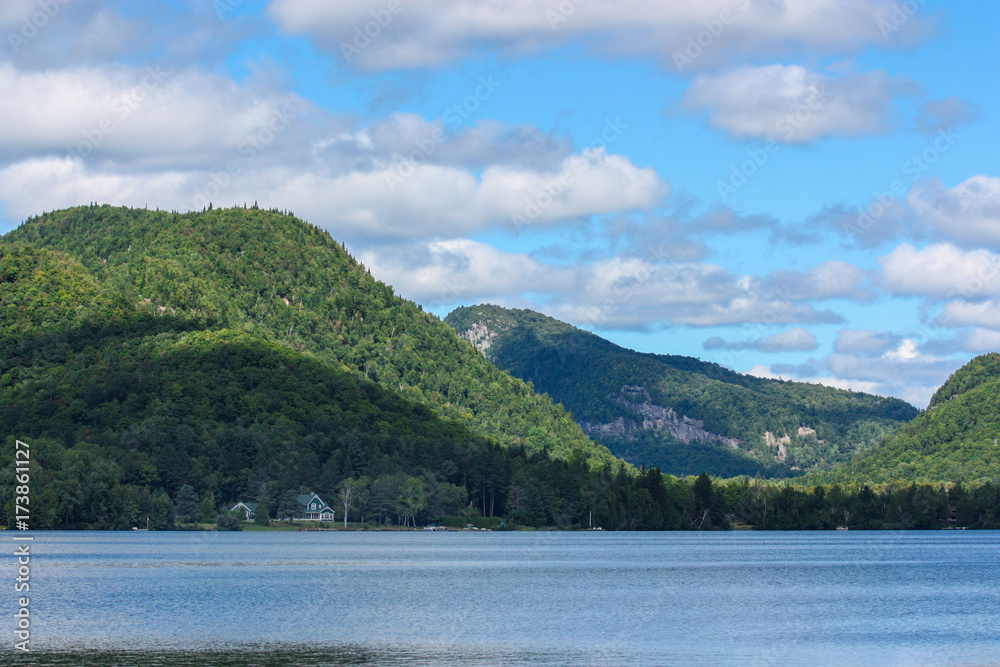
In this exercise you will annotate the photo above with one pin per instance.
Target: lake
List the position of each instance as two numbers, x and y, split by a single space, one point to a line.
511 598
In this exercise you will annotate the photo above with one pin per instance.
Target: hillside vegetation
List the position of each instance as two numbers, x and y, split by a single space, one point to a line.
955 439
283 279
149 357
680 413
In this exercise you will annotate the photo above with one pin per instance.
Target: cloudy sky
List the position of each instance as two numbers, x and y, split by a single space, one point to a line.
804 189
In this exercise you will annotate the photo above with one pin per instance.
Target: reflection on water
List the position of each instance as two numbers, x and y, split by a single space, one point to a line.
298 656
645 599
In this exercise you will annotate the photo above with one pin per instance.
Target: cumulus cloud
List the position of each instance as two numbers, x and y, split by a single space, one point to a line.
968 213
180 140
613 293
148 117
904 370
431 199
865 342
790 104
941 270
963 313
42 35
796 339
373 34
786 372
723 220
833 279
442 273
983 340
937 115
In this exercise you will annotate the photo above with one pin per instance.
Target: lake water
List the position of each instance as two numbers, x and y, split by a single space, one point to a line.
457 598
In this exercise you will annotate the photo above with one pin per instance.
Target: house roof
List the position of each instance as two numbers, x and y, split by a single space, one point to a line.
305 498
250 506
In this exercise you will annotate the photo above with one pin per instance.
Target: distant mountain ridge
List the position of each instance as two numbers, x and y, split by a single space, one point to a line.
680 413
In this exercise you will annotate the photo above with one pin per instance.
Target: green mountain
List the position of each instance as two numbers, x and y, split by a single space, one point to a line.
281 278
955 439
245 354
679 413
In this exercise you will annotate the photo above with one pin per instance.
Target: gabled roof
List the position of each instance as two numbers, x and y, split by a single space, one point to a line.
306 498
250 506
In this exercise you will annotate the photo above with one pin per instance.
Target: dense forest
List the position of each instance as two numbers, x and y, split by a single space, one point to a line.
956 439
137 362
163 366
273 275
753 426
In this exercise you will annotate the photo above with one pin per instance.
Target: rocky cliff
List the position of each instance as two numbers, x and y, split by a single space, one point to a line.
648 415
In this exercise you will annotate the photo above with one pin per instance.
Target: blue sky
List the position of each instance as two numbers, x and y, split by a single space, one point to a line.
805 189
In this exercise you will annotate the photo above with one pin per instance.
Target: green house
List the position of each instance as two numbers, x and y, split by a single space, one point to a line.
310 508
314 509
250 509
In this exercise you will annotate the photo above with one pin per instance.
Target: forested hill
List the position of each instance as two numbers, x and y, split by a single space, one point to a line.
955 439
245 355
680 413
281 278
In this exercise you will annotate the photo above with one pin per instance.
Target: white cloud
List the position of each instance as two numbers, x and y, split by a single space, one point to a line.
179 140
613 293
790 104
796 339
44 34
967 213
903 371
833 279
907 350
442 273
937 115
434 32
983 340
941 270
149 117
768 372
435 200
976 314
865 342
630 293
44 184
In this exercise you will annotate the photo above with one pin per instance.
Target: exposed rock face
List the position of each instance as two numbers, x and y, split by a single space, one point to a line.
656 417
805 431
781 443
482 335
